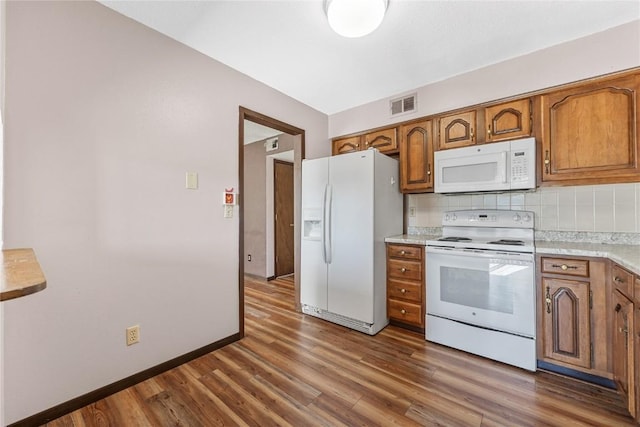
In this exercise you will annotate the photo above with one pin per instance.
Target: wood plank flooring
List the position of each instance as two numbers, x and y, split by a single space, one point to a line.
296 370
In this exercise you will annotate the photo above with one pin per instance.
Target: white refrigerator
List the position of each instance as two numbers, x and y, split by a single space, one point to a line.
350 203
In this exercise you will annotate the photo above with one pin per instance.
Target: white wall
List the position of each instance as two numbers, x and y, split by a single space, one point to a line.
612 50
103 118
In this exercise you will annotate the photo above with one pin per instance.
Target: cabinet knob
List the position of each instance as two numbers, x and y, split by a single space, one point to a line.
489 130
402 252
564 266
618 279
403 269
404 291
403 311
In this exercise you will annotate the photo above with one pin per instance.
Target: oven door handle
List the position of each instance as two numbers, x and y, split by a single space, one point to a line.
479 253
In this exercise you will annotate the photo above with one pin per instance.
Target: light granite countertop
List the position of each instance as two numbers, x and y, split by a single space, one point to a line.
626 255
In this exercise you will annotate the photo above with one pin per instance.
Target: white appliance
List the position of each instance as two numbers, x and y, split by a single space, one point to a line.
481 285
500 166
350 203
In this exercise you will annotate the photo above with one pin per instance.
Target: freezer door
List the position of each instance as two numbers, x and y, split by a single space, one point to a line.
350 280
313 269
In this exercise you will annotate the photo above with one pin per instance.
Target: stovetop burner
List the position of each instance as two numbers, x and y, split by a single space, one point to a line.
454 239
507 242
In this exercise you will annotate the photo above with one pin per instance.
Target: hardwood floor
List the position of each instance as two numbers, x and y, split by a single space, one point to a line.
295 370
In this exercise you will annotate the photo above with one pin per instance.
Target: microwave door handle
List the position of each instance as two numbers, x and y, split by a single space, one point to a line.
503 170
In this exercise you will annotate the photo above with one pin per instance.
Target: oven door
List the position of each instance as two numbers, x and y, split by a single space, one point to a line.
490 289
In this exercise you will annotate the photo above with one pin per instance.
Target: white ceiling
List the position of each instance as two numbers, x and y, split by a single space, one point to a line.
288 45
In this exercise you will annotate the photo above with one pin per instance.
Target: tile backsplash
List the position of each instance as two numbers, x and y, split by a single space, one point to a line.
590 208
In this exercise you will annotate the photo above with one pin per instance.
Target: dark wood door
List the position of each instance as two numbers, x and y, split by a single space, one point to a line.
416 157
283 209
566 321
591 134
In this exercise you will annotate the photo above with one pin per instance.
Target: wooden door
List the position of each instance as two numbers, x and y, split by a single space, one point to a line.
590 133
416 157
386 140
566 321
345 145
283 216
623 351
457 130
508 120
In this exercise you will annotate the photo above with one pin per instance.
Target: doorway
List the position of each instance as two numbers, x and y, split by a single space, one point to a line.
298 155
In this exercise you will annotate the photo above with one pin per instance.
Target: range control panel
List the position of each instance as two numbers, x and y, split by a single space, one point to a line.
488 218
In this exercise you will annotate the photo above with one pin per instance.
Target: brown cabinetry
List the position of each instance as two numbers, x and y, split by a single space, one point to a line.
590 134
572 326
416 157
405 285
508 120
385 140
457 130
624 335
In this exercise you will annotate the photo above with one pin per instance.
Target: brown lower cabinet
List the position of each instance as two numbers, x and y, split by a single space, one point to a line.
589 321
406 286
572 327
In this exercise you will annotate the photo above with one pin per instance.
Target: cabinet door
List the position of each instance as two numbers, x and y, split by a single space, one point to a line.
386 141
623 351
566 321
416 157
346 145
508 120
457 130
590 133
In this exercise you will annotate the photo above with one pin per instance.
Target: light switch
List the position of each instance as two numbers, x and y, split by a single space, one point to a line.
192 180
228 211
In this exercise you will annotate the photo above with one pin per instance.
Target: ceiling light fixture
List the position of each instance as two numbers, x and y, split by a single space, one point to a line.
355 18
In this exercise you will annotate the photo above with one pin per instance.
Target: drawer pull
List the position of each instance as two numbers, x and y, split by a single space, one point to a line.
403 269
403 311
402 252
404 291
548 300
564 266
618 279
618 308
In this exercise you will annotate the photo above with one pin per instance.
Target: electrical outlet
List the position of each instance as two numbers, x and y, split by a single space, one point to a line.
412 211
133 334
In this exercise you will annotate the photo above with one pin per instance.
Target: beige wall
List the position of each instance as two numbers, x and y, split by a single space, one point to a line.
103 118
256 203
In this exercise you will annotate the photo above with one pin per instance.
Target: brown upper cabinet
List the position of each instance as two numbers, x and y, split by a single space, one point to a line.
416 157
502 121
346 145
385 140
508 120
457 130
590 134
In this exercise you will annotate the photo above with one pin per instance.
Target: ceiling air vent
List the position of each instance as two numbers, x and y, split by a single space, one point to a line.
403 105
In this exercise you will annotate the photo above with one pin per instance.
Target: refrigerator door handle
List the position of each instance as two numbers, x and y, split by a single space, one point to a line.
327 224
324 224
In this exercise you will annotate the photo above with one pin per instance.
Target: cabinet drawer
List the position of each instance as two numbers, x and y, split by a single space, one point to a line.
403 269
405 312
622 280
404 251
401 289
571 267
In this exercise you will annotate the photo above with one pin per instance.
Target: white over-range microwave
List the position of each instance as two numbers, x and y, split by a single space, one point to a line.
500 166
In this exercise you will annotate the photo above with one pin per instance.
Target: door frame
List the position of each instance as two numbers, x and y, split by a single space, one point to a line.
299 154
